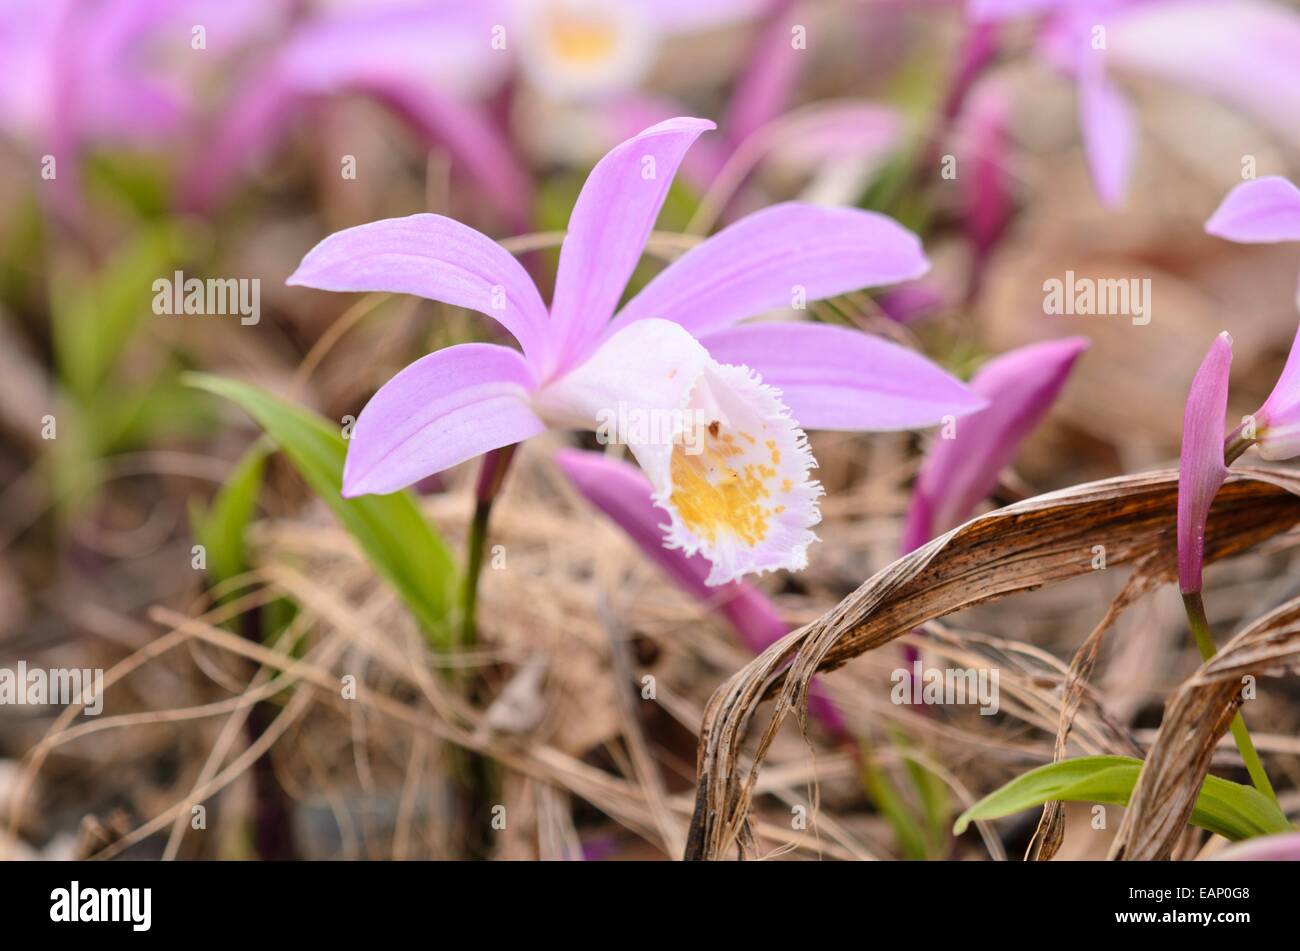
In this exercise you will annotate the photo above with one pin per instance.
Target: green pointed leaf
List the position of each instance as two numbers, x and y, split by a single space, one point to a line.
931 792
886 798
395 537
1230 809
96 315
221 529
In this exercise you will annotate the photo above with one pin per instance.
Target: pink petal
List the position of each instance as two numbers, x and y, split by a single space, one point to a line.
772 257
836 378
624 494
912 302
1277 422
832 131
625 115
958 473
1284 847
1243 53
770 74
682 16
981 10
1109 133
1261 211
445 43
1201 469
608 228
31 36
443 409
470 136
434 257
986 192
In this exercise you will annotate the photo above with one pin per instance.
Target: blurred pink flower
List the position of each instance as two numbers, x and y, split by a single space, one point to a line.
668 373
837 143
912 302
1243 53
1201 469
440 65
986 192
113 72
625 495
1020 387
430 63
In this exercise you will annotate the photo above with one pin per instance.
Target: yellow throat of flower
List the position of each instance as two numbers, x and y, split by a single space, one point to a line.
719 489
583 40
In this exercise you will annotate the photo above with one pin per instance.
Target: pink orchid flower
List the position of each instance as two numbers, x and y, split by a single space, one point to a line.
1020 387
708 408
624 495
1201 469
1267 210
113 72
1242 53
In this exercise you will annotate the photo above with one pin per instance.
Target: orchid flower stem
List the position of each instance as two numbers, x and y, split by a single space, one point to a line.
1235 445
1205 643
490 479
477 777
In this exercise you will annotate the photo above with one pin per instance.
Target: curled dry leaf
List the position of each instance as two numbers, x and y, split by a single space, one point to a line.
1195 720
1036 542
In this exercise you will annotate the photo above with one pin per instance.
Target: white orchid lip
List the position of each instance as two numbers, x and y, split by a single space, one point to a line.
744 501
731 467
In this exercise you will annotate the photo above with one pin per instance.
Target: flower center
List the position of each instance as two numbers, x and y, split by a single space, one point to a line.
723 488
583 40
586 48
738 490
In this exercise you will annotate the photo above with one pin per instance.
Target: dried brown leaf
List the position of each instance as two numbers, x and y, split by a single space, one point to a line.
1040 541
1195 719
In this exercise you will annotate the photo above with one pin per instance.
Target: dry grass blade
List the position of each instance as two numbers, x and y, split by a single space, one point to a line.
1194 722
1039 541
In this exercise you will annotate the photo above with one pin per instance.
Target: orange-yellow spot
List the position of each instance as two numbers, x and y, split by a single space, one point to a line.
713 498
578 39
